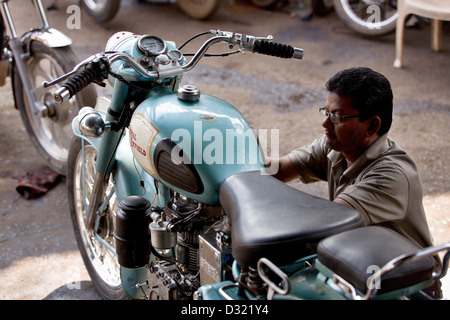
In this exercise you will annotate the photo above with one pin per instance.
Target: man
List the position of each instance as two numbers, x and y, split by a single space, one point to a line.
365 169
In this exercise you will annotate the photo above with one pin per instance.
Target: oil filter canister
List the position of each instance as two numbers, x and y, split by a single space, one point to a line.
132 234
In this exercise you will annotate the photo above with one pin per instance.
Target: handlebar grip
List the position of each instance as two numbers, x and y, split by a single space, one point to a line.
75 85
277 49
94 72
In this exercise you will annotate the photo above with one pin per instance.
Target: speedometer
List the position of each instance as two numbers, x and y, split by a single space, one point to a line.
151 45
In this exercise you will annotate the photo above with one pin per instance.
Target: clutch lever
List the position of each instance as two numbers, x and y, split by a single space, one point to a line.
75 70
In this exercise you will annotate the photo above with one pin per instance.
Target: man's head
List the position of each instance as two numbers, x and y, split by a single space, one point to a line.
358 110
370 93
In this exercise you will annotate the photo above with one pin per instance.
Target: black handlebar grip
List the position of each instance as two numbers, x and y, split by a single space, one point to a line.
96 71
273 49
81 81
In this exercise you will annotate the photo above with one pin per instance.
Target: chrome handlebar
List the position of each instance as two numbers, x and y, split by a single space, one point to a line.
246 43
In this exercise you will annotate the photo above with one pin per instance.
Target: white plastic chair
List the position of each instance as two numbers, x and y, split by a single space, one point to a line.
436 10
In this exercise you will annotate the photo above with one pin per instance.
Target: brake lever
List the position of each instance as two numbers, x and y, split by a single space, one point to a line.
75 70
245 42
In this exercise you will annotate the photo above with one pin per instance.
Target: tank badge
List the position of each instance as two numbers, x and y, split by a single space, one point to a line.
142 133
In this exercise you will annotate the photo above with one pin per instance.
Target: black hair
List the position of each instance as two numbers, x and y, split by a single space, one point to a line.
370 92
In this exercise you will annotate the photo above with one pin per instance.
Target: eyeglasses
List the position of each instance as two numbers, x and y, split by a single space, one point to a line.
335 118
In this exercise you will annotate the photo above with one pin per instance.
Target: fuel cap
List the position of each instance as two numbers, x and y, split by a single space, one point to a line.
188 93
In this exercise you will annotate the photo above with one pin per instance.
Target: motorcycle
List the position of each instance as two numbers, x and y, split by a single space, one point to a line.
170 199
106 10
42 53
368 17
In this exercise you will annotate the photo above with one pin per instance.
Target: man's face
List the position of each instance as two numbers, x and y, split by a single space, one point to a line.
349 135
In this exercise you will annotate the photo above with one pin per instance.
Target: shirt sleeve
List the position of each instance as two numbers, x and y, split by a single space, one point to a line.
311 161
381 195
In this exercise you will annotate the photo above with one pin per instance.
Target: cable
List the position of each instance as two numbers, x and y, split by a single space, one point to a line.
192 38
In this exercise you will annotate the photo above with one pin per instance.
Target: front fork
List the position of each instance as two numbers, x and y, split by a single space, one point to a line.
105 154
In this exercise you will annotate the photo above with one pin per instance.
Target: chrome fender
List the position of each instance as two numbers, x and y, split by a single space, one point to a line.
51 37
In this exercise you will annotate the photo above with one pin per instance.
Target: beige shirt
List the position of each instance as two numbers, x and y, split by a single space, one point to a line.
383 184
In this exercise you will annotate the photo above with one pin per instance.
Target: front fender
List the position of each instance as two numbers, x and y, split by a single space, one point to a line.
52 38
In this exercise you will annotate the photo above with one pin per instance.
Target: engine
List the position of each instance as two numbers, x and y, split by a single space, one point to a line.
190 244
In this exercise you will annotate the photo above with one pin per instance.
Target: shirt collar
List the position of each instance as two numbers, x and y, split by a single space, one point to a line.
373 152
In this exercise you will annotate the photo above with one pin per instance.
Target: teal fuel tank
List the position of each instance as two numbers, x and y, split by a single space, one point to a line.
192 142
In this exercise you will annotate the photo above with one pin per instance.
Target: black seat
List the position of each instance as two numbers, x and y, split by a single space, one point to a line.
353 255
273 220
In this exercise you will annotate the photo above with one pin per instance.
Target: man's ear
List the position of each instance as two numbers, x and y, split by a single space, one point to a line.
374 125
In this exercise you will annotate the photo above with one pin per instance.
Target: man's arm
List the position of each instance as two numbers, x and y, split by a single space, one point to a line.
342 201
285 169
287 172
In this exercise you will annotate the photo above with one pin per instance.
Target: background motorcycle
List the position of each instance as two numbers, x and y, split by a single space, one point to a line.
105 10
368 17
40 54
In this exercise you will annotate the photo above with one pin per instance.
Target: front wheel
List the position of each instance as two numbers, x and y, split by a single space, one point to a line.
368 17
50 125
95 247
199 9
101 10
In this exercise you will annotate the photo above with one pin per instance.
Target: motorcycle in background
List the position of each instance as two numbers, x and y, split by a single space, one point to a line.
105 10
368 17
101 10
169 197
40 54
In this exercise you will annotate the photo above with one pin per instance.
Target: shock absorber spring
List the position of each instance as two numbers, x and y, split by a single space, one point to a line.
254 281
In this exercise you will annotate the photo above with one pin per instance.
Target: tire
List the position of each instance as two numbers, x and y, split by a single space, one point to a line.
101 10
322 7
356 14
51 129
267 4
102 265
199 9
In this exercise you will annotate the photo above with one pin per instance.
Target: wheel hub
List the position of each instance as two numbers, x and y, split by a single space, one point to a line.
50 108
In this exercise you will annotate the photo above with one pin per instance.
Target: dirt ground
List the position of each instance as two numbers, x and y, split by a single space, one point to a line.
38 253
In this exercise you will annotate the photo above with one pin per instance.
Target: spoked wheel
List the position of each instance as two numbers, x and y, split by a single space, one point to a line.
368 17
95 247
101 10
48 123
199 9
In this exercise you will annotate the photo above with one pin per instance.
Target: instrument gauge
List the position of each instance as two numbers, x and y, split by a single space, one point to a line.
151 45
175 55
